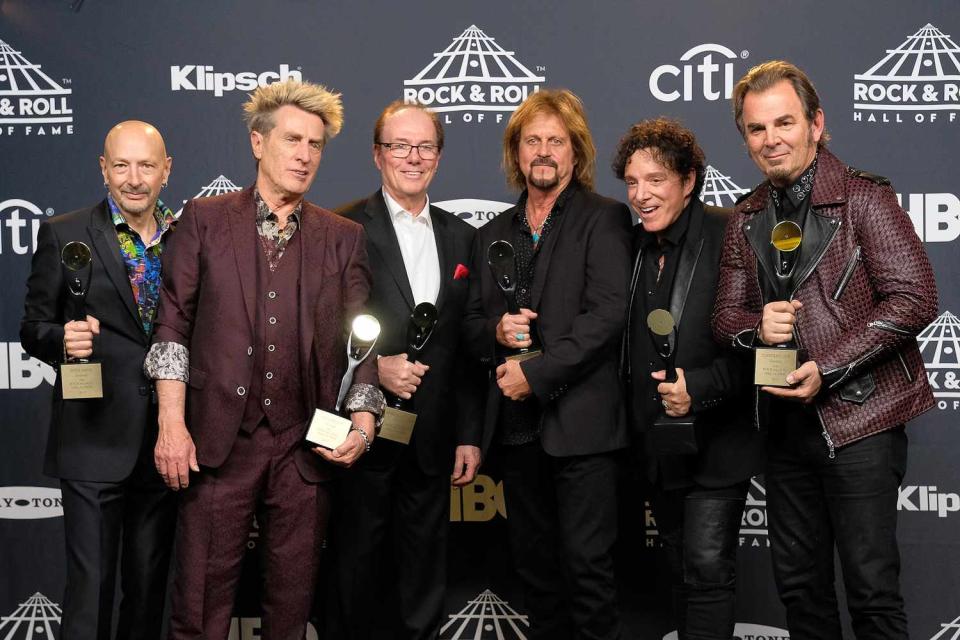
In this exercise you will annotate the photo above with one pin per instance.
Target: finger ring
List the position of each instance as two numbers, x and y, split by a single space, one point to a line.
520 337
664 403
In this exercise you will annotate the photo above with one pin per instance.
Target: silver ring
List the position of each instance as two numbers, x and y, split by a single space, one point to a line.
520 337
664 403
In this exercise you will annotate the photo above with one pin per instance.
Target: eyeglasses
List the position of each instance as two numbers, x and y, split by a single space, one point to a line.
402 149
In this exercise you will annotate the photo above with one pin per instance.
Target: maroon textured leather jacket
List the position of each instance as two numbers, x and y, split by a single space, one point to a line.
867 290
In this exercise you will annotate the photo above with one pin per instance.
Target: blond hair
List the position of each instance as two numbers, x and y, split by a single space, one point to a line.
564 104
313 98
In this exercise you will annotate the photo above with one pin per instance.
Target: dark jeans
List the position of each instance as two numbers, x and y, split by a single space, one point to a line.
562 523
699 528
815 503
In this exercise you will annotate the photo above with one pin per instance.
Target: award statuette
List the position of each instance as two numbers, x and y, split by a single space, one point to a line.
773 364
500 257
398 423
80 378
668 435
329 430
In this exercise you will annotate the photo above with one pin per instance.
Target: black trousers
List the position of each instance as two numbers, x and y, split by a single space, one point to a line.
385 505
562 523
699 529
136 515
815 504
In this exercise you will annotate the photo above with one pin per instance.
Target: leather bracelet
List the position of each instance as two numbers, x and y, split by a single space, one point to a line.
363 434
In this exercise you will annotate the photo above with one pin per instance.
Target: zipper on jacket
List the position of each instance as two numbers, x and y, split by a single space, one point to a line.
823 425
906 369
847 274
889 326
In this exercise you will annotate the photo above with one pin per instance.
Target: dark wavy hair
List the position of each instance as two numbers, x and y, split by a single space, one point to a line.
765 76
669 142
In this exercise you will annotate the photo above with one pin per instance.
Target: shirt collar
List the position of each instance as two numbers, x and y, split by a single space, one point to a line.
397 212
558 205
800 188
264 212
161 213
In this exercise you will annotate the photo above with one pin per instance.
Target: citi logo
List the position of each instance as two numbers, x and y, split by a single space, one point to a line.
914 82
476 212
196 77
935 216
486 617
747 631
31 102
30 503
707 72
939 346
20 220
914 498
717 187
474 75
20 371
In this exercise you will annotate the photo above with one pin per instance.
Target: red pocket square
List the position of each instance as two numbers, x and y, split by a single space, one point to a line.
460 272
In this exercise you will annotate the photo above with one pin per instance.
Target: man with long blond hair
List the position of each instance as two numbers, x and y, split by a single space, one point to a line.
557 418
258 289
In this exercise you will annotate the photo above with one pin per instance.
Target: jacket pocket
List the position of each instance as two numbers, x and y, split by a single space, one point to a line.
847 273
906 369
858 389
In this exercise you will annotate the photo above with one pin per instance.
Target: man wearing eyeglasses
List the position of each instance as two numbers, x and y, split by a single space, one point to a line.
558 417
418 254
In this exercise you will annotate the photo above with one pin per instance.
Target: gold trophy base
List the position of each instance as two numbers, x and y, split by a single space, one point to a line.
397 425
772 365
328 430
527 355
81 380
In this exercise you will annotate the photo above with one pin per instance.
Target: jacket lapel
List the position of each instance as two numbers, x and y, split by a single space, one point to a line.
546 251
313 250
757 230
107 246
244 235
687 265
445 250
382 238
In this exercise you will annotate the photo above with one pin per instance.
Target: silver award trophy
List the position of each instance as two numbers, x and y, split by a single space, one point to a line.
398 421
500 258
80 378
773 364
327 429
669 435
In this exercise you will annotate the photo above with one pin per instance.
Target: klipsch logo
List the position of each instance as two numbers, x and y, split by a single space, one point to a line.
707 72
221 184
199 77
21 221
31 102
935 216
753 523
928 499
30 503
919 81
717 186
476 212
940 347
484 618
473 75
33 619
747 631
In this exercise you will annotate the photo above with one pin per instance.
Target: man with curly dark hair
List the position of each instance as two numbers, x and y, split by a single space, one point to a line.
694 436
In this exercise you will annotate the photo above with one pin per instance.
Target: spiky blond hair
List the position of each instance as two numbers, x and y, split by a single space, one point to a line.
313 98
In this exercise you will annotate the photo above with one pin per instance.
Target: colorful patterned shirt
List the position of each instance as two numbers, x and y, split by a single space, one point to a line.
142 259
273 239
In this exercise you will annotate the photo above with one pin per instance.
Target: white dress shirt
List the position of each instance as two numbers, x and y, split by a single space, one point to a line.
418 246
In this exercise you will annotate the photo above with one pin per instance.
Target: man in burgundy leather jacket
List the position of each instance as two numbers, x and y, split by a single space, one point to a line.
861 289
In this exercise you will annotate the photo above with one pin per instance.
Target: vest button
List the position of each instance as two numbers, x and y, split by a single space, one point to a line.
272 295
271 347
269 375
266 402
241 391
272 320
249 351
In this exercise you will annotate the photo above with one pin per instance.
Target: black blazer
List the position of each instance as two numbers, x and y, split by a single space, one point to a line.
92 440
718 379
580 293
447 401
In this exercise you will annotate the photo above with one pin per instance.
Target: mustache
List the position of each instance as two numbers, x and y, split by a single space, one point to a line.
543 162
141 191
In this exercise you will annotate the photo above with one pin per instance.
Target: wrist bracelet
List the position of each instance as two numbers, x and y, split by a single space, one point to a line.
363 434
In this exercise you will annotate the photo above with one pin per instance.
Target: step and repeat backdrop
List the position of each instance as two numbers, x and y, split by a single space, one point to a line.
888 73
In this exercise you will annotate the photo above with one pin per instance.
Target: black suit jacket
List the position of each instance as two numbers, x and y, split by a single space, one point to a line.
717 378
447 402
580 293
91 440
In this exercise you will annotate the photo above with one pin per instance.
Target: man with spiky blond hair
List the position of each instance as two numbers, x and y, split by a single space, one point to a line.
259 288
